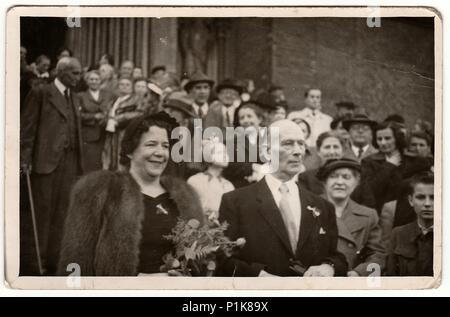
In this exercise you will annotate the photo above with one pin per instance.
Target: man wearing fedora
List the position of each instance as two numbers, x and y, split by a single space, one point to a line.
180 108
345 109
199 89
221 112
360 129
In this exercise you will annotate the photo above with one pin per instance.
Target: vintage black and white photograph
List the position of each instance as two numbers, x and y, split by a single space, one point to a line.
200 147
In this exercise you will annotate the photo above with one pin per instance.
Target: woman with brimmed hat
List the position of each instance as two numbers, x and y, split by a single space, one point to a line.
358 230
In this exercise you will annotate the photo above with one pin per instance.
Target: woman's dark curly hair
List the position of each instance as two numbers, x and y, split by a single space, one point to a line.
138 126
400 138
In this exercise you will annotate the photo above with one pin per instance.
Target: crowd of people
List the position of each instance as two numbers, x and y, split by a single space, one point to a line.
349 191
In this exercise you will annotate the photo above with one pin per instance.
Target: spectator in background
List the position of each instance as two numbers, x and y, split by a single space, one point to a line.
126 69
359 235
330 146
296 116
361 136
155 94
199 89
319 121
64 52
399 121
411 245
108 81
137 73
345 109
337 126
273 110
179 107
94 111
106 59
222 111
143 94
420 144
36 74
210 185
124 108
23 60
184 79
159 75
246 163
42 66
277 92
278 113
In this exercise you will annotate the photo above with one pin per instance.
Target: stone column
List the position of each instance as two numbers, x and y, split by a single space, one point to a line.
164 43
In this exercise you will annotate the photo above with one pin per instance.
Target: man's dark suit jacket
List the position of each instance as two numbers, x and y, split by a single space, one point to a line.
44 128
253 214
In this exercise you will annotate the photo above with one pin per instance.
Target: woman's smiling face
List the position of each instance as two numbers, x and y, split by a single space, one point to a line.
152 154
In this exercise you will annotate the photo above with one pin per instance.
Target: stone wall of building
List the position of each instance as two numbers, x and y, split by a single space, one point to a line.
386 70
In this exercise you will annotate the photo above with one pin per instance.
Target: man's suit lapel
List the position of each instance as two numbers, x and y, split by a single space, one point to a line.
57 100
307 218
269 210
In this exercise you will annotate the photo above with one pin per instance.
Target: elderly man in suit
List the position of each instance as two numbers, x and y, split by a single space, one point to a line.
50 146
289 231
360 129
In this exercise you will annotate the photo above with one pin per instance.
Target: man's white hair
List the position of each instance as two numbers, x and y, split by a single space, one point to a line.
65 63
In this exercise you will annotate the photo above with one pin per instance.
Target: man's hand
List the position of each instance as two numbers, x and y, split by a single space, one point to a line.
265 274
99 116
323 270
24 168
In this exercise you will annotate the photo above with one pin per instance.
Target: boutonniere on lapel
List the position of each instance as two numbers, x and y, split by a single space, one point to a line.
160 210
322 231
314 210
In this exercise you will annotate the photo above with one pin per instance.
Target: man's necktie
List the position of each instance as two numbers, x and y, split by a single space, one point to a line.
288 217
200 113
360 152
67 96
227 115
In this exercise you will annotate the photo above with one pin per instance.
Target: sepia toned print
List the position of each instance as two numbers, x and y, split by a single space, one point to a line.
290 148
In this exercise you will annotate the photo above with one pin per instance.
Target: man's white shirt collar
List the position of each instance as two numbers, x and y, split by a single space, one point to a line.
355 149
61 87
275 184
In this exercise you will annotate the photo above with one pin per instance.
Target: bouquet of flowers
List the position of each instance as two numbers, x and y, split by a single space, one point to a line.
197 248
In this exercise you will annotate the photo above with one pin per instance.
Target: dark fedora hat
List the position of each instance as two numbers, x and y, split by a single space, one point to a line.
332 165
358 118
180 104
158 68
230 83
196 78
346 105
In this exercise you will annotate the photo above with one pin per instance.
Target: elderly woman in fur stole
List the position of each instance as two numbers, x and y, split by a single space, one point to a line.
116 220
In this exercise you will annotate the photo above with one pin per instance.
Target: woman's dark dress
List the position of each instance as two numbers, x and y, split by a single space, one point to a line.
155 225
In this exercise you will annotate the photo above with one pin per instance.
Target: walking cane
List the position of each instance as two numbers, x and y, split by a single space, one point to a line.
33 218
